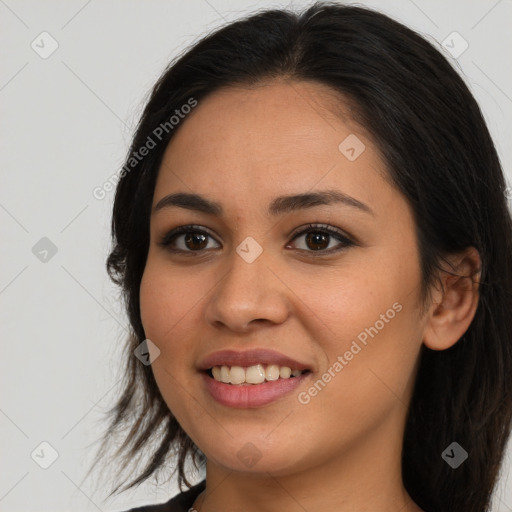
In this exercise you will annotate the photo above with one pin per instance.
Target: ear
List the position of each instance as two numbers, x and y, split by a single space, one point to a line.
455 302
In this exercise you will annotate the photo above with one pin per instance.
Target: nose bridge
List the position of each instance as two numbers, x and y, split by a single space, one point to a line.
247 290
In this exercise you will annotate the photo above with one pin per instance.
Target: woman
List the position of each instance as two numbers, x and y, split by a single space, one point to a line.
312 235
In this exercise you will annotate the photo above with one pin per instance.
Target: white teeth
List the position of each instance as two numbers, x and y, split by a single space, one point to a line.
255 374
216 372
237 375
272 372
285 372
224 374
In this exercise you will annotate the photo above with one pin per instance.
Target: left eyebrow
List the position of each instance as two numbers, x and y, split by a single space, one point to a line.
284 204
278 206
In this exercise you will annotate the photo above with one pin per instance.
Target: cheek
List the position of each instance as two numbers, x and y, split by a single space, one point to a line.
343 305
367 320
369 368
164 305
166 300
165 308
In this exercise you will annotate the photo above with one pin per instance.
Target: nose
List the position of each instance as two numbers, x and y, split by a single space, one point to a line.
248 294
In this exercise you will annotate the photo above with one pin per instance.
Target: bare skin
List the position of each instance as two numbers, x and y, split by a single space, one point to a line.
340 451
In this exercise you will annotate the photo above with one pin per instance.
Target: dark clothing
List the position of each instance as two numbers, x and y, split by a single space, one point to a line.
180 503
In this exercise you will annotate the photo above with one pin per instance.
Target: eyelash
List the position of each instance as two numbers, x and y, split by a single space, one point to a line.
312 228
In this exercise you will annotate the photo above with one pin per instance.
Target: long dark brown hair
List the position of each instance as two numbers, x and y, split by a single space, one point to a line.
440 155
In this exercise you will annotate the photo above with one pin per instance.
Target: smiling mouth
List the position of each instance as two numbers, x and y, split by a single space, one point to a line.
252 375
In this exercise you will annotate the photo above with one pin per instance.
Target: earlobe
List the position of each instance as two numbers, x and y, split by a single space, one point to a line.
454 305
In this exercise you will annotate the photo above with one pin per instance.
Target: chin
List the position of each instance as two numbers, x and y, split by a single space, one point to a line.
241 454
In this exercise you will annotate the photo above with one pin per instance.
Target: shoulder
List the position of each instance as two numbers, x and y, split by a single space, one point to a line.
180 503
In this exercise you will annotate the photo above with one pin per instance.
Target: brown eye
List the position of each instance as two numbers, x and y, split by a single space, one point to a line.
187 239
196 241
317 240
321 239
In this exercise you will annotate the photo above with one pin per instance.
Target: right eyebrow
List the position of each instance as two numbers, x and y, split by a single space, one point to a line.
189 202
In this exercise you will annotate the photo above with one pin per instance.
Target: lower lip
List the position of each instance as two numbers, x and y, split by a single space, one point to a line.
251 395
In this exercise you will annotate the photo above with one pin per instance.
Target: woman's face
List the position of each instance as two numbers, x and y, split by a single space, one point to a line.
248 277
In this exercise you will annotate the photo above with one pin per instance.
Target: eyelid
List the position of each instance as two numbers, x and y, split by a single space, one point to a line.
321 227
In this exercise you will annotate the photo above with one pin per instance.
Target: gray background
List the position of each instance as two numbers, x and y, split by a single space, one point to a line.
66 122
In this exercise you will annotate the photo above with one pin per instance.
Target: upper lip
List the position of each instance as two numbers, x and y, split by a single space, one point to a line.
249 358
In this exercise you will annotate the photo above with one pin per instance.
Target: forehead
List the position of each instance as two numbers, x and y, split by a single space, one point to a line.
269 118
285 135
